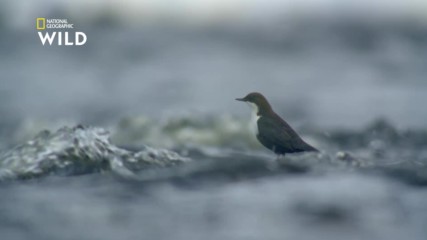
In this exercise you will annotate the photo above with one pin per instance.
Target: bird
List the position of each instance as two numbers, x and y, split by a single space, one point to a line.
271 130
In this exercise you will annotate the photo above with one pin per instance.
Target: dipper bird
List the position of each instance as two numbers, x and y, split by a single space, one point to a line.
271 130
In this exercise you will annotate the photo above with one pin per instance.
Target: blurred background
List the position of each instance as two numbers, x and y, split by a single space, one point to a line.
348 75
323 63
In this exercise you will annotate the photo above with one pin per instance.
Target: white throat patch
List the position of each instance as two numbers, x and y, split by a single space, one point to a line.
254 118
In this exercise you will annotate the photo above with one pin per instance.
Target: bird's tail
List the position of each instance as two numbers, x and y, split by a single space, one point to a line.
309 148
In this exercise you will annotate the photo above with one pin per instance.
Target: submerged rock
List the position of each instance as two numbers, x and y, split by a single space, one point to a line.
79 150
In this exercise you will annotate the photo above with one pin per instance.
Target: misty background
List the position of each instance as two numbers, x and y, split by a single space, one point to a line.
328 64
166 150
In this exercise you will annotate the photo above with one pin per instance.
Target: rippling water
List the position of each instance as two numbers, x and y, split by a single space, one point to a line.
77 183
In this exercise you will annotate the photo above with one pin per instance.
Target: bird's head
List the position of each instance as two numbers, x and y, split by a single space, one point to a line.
257 101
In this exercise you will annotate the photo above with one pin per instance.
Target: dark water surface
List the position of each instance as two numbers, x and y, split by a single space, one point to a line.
74 183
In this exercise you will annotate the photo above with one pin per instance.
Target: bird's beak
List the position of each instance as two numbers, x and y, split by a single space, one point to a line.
241 99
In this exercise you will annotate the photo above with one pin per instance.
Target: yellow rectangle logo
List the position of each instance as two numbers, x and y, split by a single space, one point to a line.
41 26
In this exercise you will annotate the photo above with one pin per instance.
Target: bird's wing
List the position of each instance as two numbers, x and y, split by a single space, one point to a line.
280 132
274 133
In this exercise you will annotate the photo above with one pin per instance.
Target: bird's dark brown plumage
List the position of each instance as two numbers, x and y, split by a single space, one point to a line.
273 132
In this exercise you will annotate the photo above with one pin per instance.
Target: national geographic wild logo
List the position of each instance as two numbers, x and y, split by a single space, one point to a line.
58 34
